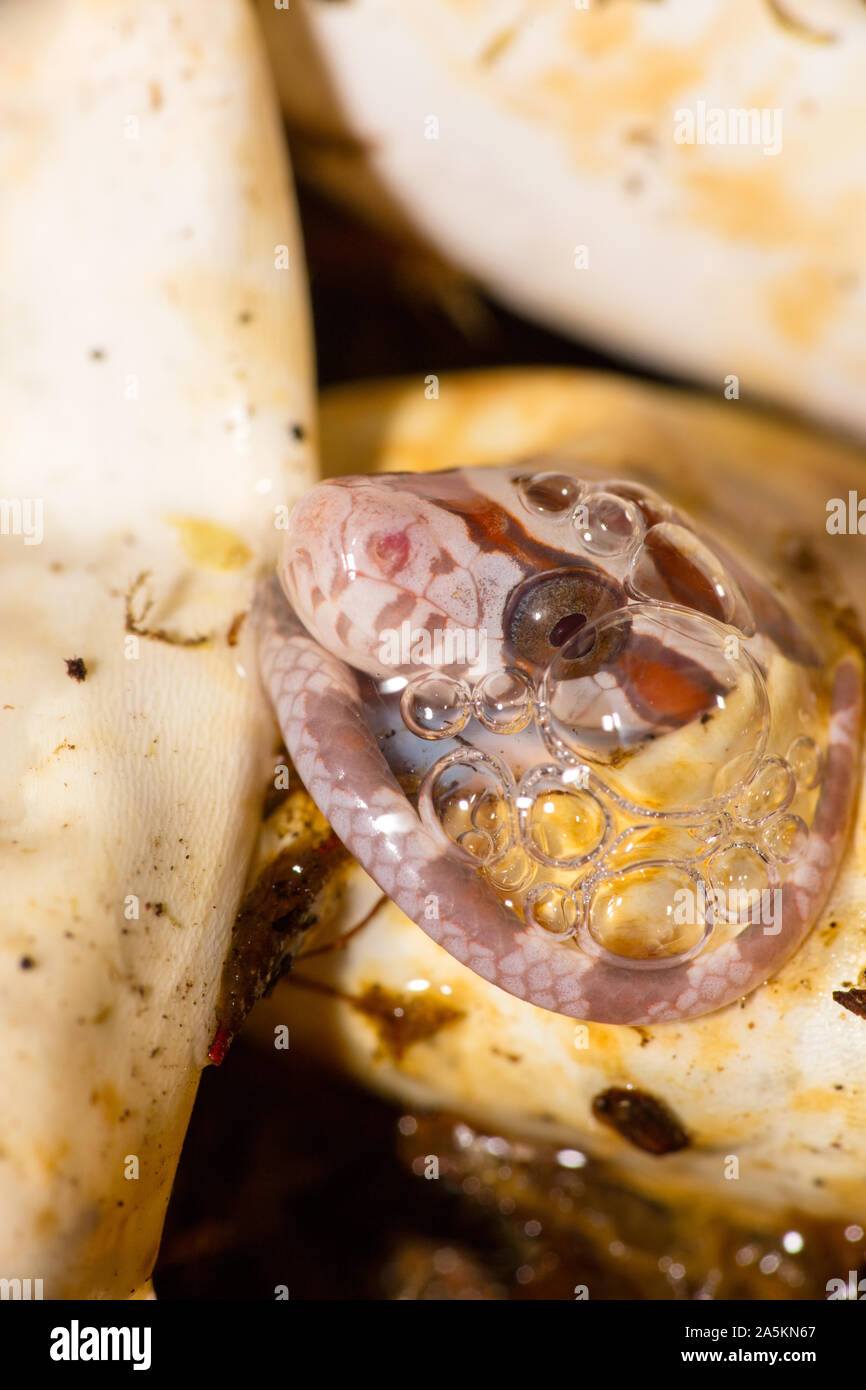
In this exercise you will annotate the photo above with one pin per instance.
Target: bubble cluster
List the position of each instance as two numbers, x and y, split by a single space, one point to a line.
626 793
647 895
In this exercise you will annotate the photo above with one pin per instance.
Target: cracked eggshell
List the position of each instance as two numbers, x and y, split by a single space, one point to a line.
509 136
154 362
777 1081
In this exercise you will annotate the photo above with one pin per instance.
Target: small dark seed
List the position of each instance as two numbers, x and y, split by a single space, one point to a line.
641 1119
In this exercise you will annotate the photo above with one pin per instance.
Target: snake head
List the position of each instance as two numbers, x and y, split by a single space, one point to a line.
368 560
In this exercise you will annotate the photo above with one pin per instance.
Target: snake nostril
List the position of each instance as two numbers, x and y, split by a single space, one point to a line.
566 628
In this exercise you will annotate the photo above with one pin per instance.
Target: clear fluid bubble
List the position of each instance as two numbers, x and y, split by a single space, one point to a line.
477 844
607 524
770 791
435 706
492 817
673 566
552 910
666 840
732 774
502 701
469 793
652 507
709 834
512 871
551 495
785 838
741 876
560 825
649 916
804 759
659 697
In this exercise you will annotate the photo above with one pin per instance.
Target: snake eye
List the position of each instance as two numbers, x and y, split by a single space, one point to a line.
549 610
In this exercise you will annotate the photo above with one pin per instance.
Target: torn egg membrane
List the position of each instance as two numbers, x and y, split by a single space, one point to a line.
634 764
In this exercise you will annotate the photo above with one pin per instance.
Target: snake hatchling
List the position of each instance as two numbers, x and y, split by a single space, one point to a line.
581 744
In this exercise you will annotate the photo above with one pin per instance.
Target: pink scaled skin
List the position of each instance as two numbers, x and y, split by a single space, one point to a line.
317 699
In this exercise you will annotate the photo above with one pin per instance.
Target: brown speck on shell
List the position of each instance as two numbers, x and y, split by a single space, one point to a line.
400 1020
75 668
237 623
852 999
404 1020
641 1119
